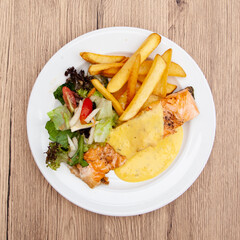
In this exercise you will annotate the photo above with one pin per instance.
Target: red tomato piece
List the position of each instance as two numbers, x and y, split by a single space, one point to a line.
86 109
69 99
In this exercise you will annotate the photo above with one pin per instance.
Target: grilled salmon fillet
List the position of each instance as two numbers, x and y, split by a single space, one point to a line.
178 108
101 160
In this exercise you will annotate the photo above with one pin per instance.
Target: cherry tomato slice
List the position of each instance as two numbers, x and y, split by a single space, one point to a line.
69 99
86 109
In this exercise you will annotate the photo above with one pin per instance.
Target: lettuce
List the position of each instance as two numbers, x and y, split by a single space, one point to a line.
96 99
82 93
102 129
55 155
107 118
104 105
114 119
60 117
57 135
98 94
105 109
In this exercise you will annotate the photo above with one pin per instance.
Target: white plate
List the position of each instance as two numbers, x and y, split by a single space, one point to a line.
120 198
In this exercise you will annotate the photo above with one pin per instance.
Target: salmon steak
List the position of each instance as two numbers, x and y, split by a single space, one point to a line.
100 161
178 108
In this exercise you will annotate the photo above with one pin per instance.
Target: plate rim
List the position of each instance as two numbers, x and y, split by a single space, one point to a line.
101 211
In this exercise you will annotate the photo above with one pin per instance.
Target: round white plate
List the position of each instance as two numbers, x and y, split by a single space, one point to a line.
120 198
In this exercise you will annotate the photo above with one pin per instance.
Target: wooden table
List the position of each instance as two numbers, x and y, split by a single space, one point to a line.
32 31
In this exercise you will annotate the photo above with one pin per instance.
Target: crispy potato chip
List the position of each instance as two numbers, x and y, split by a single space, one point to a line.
151 80
99 58
123 74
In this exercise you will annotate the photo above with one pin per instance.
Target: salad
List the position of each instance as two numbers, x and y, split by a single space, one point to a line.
83 120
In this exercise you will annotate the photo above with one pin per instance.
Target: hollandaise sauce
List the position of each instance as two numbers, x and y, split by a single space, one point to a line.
153 160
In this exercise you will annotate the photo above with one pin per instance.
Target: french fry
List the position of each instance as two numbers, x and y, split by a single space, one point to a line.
123 97
123 100
161 88
120 92
170 87
145 67
110 72
141 78
123 74
99 58
108 96
174 70
152 98
98 68
132 81
154 75
125 59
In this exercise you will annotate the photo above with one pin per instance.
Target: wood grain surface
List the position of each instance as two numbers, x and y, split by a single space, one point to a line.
32 31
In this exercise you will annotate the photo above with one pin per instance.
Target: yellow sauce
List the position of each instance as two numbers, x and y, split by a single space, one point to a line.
138 133
151 161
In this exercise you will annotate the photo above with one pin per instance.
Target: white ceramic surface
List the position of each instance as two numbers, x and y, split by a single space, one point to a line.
120 198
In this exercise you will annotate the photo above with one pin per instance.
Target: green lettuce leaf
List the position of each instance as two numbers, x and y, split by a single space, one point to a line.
82 93
60 117
59 136
114 119
102 129
105 109
55 155
98 94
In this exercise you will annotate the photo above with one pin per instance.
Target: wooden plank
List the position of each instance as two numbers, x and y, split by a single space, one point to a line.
6 50
151 15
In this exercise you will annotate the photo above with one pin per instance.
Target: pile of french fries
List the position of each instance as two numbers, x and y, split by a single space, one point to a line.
141 81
